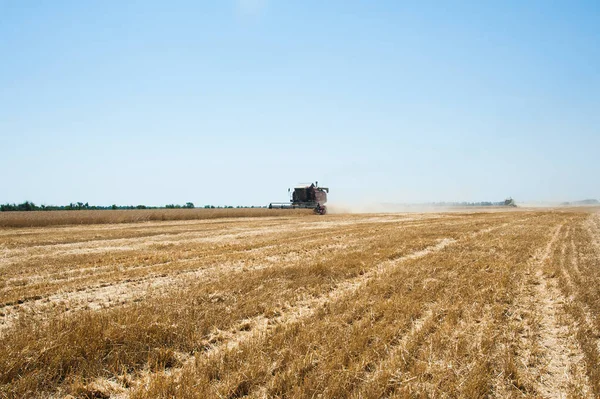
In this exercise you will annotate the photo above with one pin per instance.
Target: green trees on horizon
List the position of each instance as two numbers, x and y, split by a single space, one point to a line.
75 206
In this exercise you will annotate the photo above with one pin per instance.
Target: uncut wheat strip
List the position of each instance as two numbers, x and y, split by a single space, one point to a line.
50 235
65 218
259 326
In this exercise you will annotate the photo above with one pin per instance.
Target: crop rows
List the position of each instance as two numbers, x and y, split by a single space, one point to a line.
496 304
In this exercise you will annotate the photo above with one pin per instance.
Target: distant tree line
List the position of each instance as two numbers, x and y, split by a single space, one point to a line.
75 206
188 205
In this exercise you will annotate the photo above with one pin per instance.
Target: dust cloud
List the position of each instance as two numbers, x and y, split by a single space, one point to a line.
373 207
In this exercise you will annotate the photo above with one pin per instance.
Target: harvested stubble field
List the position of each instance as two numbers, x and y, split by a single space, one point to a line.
480 304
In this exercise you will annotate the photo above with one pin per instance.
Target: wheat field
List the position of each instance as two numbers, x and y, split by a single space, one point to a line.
62 218
473 304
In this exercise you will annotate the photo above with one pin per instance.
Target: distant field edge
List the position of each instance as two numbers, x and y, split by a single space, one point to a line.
74 217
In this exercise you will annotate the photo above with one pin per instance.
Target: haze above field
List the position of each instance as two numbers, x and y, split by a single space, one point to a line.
233 102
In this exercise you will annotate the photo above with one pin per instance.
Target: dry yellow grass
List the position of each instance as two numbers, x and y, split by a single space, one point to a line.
53 218
501 304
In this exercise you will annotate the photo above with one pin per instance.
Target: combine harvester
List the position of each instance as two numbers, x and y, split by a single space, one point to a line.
510 202
306 197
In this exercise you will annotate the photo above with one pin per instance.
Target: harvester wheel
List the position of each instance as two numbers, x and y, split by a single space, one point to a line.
320 210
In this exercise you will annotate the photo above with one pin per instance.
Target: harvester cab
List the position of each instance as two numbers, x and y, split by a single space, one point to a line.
309 196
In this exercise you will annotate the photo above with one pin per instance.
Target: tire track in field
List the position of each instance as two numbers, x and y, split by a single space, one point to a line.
593 229
575 284
570 272
259 326
573 366
550 355
592 226
404 343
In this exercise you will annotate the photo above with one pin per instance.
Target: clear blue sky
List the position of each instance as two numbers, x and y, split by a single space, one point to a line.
232 102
